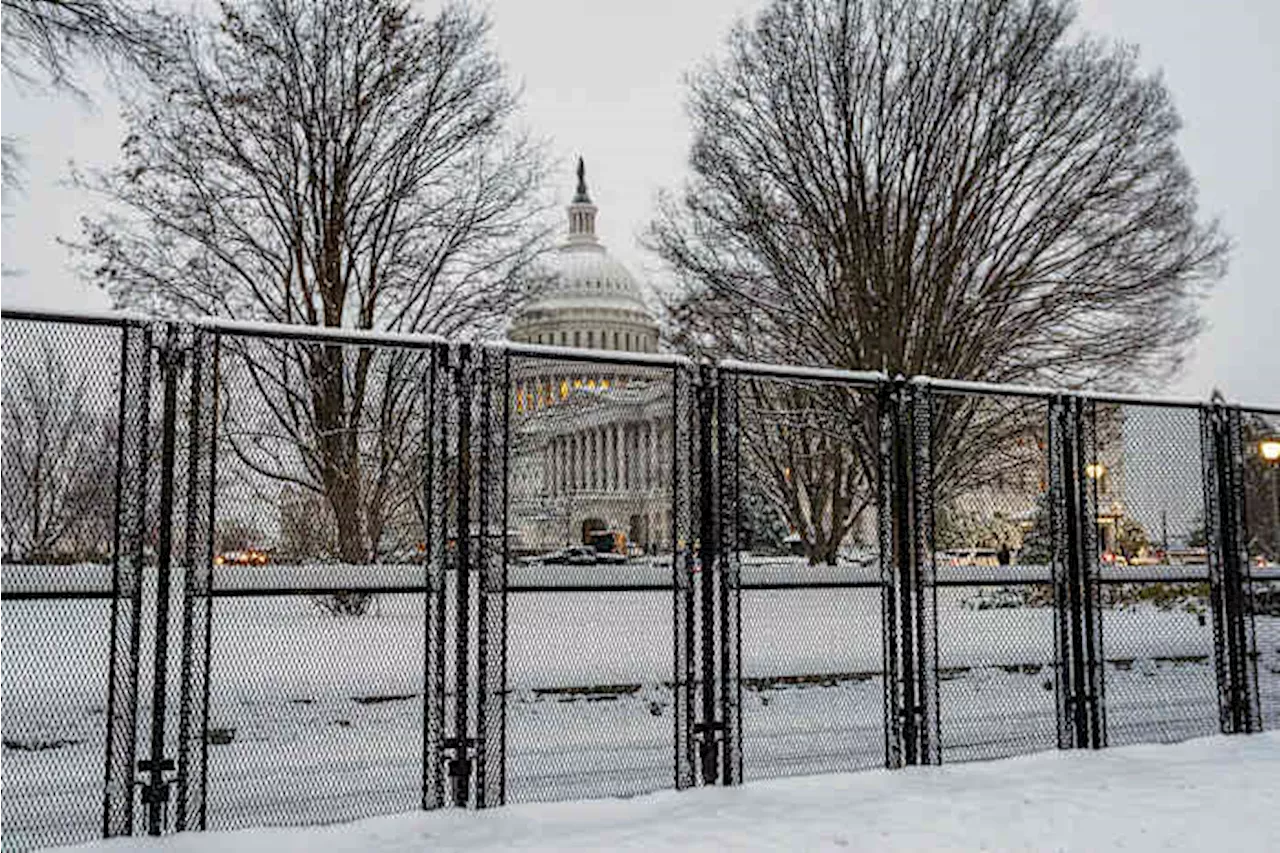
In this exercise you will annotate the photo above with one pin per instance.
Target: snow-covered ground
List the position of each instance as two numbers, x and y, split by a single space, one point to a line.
1215 793
324 714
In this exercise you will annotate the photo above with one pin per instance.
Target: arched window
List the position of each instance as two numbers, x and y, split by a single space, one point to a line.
591 339
628 338
577 338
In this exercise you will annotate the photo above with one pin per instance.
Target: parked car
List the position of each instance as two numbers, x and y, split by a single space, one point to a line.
578 555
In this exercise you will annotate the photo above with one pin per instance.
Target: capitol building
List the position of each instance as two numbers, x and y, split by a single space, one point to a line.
591 441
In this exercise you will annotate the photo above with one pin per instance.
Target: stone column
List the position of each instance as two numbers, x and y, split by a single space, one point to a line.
593 459
617 455
649 451
549 468
575 461
623 472
559 465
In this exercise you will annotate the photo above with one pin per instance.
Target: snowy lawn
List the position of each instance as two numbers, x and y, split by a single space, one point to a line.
1215 793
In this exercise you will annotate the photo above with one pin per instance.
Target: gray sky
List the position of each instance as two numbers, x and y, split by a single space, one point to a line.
603 79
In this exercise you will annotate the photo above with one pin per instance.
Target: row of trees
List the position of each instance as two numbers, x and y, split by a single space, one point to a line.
918 186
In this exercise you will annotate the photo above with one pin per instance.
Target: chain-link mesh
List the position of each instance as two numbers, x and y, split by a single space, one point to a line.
1156 614
804 456
594 530
70 582
994 552
327 590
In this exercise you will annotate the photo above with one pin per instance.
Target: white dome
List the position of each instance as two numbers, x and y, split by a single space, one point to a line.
587 276
592 299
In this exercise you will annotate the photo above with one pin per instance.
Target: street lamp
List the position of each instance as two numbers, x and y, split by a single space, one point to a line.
1269 450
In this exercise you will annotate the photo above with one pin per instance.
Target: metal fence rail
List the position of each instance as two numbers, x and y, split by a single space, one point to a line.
278 575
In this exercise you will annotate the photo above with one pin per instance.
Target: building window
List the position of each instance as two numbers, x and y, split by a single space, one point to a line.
615 340
628 339
577 338
591 339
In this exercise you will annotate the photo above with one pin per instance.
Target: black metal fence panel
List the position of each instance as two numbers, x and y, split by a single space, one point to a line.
995 552
596 704
799 458
76 465
263 576
1260 461
1157 617
326 588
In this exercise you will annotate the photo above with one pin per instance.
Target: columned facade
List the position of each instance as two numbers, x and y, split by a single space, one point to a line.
591 441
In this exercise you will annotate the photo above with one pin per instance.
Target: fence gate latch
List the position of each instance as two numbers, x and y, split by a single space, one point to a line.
154 785
461 751
709 735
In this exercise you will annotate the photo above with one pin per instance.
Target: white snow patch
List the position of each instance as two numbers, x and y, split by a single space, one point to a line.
1213 793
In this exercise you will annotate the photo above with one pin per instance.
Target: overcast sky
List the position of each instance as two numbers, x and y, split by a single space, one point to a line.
603 79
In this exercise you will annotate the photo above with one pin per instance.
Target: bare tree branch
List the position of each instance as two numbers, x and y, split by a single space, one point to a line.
340 163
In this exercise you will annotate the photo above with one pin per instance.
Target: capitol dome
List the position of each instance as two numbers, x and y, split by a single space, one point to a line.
593 300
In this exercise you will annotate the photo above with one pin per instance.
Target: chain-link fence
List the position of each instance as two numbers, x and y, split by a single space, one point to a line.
71 561
1157 618
994 553
800 506
267 575
598 456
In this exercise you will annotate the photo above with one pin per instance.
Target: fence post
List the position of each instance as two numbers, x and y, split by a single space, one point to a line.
435 501
708 727
728 473
155 787
460 743
684 450
1235 653
924 575
1077 630
907 572
491 647
133 419
197 602
1248 700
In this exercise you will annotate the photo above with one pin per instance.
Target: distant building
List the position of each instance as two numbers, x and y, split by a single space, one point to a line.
592 443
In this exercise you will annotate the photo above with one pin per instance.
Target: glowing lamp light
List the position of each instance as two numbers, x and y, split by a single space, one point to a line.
1095 470
1270 449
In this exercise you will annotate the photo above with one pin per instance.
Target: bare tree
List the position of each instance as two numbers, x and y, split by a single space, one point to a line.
343 163
58 458
800 449
938 187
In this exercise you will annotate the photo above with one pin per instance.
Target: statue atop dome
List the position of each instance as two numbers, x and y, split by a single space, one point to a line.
581 197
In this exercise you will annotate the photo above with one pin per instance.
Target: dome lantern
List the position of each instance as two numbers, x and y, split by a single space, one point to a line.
593 300
582 213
